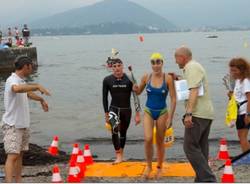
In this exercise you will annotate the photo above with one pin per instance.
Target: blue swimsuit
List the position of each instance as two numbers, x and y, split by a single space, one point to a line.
156 101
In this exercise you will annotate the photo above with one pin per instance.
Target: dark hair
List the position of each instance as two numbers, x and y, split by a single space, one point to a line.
21 61
242 64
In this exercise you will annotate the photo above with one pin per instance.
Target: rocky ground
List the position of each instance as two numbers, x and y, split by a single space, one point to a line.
38 167
42 174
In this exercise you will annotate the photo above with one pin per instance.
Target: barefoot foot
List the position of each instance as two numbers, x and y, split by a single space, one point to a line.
158 174
147 172
119 158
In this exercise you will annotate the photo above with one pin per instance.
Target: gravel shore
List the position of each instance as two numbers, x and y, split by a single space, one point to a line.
42 174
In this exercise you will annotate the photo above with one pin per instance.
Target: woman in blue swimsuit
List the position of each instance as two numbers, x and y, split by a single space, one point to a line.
157 84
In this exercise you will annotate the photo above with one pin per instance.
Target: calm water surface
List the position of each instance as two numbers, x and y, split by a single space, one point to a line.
71 67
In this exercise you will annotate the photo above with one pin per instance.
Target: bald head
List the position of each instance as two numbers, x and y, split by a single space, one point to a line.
184 51
182 56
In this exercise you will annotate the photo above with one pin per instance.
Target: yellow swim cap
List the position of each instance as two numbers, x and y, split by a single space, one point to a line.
156 56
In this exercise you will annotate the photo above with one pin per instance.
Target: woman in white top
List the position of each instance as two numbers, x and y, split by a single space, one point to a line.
240 71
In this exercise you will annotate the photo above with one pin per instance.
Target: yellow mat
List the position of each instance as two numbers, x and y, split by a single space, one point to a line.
136 169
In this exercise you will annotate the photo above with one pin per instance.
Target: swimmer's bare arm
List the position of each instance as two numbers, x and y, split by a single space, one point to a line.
172 93
24 88
138 89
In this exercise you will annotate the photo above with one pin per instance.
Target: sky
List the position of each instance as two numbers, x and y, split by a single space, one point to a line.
183 13
12 11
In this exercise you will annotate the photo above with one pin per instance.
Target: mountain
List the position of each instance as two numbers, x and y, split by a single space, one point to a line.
107 12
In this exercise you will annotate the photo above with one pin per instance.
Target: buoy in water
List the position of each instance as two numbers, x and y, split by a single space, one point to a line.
245 44
141 38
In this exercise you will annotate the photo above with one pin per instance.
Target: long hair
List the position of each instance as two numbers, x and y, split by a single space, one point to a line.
242 64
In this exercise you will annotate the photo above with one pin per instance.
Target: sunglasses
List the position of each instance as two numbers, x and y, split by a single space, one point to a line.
156 62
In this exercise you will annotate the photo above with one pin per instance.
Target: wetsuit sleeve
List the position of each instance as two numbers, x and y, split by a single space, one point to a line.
105 91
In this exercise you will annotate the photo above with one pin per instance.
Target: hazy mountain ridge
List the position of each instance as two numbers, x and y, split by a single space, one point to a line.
107 12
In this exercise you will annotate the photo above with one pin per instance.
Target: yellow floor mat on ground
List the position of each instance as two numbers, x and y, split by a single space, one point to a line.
136 169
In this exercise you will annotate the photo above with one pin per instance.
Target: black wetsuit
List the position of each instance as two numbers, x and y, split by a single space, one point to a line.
120 90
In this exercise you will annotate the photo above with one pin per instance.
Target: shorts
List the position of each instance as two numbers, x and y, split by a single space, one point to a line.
240 123
15 140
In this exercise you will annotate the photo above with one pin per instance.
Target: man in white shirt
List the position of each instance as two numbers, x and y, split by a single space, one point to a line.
16 119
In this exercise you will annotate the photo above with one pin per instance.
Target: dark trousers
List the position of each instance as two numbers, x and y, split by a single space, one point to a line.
196 149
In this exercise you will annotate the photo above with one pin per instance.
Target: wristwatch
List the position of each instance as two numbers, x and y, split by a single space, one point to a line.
188 114
248 114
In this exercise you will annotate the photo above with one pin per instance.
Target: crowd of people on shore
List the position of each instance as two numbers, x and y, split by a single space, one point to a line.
7 40
197 119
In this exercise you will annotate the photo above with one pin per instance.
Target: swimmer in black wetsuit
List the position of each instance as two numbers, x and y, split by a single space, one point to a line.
120 88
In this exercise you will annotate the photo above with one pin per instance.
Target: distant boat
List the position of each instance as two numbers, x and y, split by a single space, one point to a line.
212 36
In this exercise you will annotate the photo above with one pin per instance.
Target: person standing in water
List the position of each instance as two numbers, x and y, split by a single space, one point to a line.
118 114
157 84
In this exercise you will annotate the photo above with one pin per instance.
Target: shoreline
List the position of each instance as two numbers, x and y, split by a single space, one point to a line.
103 151
42 174
38 164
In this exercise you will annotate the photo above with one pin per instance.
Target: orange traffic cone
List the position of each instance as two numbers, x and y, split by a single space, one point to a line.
73 173
74 153
53 149
223 153
56 177
80 162
87 155
228 176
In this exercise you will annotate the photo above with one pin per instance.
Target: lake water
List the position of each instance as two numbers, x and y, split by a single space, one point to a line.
71 67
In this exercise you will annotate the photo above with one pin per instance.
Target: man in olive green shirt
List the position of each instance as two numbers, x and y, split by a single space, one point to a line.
198 117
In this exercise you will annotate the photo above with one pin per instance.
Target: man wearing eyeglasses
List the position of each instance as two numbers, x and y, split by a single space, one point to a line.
198 117
118 114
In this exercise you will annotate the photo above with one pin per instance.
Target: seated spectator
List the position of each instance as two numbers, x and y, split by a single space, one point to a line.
9 43
2 45
19 42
